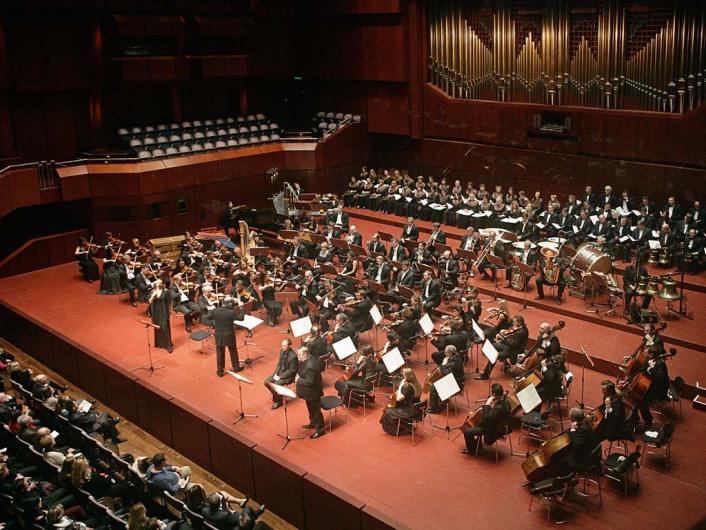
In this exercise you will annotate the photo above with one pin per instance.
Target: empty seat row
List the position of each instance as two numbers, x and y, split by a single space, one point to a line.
146 152
198 135
333 115
195 124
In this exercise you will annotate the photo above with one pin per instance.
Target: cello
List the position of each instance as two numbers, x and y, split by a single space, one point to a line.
539 466
531 360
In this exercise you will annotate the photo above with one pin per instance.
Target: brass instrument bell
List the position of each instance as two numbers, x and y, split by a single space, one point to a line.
653 286
664 259
641 289
669 289
653 259
549 253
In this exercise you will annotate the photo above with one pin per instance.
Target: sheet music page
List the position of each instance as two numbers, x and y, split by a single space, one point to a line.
249 322
447 387
654 245
283 391
344 348
529 398
240 377
301 326
393 360
489 351
375 313
479 331
426 324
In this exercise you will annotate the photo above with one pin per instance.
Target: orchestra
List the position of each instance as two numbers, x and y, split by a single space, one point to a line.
338 287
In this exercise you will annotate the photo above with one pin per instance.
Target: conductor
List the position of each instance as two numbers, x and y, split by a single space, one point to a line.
223 318
310 389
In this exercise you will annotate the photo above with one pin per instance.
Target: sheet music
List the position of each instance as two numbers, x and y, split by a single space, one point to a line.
654 245
447 387
594 219
283 391
576 229
479 331
637 213
249 322
344 348
301 326
540 226
624 239
578 202
240 377
490 352
556 225
393 360
529 398
426 324
84 406
375 313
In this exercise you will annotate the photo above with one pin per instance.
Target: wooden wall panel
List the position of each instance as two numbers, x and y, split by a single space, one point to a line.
24 187
42 344
91 372
65 358
26 54
61 124
120 390
280 485
190 433
153 411
383 53
231 456
378 6
388 109
324 503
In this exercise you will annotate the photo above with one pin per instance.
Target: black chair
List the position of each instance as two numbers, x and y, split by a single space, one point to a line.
532 424
552 489
660 441
617 467
360 396
419 415
331 404
591 476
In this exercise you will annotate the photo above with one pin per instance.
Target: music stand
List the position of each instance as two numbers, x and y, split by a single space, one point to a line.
249 322
529 271
410 245
441 248
259 251
240 412
285 393
384 236
427 327
152 368
358 250
405 292
328 269
584 357
318 238
288 234
499 266
422 268
302 262
481 334
446 387
339 244
284 297
376 315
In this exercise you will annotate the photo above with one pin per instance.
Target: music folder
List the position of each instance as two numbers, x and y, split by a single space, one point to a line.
344 348
375 313
529 398
393 360
240 378
283 391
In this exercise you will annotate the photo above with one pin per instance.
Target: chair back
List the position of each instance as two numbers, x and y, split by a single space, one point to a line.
418 410
665 434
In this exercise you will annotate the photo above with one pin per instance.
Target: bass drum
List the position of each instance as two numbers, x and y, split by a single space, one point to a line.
590 259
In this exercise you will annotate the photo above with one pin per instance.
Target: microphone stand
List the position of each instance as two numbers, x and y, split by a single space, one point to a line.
152 368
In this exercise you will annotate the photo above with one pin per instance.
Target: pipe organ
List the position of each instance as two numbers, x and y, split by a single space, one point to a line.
615 54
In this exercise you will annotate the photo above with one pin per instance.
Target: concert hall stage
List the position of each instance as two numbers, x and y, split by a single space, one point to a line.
357 476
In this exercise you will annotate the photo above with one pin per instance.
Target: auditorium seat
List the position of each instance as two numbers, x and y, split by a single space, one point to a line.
158 152
209 145
135 143
243 141
251 117
254 139
275 136
123 132
135 130
210 134
330 115
149 129
184 149
148 141
208 123
230 120
254 128
339 116
175 138
172 151
199 135
264 138
220 144
232 142
196 147
162 140
196 123
186 125
260 116
243 130
174 126
187 136
232 130
162 127
144 154
220 121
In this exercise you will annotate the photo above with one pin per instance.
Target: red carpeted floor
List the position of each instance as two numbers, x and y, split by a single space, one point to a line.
428 485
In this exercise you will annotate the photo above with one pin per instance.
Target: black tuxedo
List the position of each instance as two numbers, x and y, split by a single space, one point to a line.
333 217
380 274
310 388
286 369
410 233
307 292
458 339
493 424
682 230
572 209
448 271
464 242
398 253
355 239
224 332
454 366
144 287
525 230
607 199
431 294
585 227
675 216
589 198
377 246
603 229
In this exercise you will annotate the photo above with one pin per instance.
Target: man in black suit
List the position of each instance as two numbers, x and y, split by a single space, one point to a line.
339 218
144 284
584 226
223 318
509 345
296 250
572 207
527 255
697 215
410 232
451 364
430 292
589 198
458 337
667 239
397 252
308 291
216 513
437 236
354 237
603 228
497 249
682 229
564 221
448 271
317 345
359 312
470 241
496 414
525 229
310 389
405 278
621 249
631 277
673 212
380 272
607 198
693 251
331 231
656 368
284 372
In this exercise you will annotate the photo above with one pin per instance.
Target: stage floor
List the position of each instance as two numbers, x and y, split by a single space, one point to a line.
428 485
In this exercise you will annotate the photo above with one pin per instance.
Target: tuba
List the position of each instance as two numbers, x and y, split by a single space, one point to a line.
518 279
551 268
